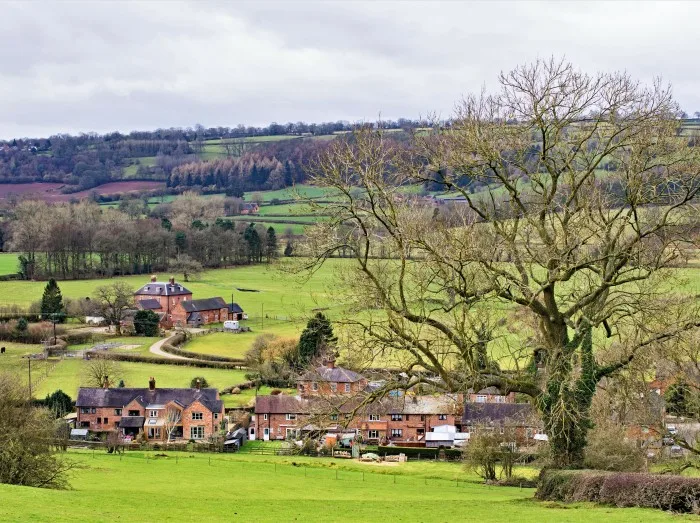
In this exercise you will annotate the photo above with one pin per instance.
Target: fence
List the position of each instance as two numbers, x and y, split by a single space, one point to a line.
325 470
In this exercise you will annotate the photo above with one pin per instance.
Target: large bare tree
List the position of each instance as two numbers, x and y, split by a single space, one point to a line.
113 301
551 271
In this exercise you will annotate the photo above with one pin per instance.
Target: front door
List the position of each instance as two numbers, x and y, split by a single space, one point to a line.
252 434
266 434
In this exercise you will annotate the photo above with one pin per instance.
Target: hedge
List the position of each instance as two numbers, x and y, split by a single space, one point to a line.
419 452
622 489
171 349
137 358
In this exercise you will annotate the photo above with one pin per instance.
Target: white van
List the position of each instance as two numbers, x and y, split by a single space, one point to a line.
231 325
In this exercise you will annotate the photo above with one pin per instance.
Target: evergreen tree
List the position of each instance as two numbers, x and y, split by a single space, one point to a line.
146 323
59 403
315 338
271 244
52 302
288 249
679 399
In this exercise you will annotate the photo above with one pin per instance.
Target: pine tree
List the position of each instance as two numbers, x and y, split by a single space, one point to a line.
315 338
271 244
52 302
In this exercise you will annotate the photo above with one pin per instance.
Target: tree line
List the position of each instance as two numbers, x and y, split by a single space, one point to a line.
81 240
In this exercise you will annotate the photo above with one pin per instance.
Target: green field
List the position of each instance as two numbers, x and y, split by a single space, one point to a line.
183 487
8 263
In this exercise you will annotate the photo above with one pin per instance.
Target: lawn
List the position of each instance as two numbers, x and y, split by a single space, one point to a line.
8 263
290 193
244 487
233 345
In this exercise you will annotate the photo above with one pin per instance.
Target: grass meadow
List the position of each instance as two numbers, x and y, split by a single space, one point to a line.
8 263
172 486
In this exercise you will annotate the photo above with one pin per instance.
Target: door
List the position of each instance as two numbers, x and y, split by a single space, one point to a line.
252 434
266 434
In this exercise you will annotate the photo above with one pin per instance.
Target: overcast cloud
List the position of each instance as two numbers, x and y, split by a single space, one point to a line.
99 66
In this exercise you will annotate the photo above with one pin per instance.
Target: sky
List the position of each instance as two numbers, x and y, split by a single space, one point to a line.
105 66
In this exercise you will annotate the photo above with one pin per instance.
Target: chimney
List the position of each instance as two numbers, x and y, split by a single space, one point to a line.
172 280
154 279
152 383
105 383
199 384
330 363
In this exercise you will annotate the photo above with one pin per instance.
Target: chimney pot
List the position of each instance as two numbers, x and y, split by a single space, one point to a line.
105 383
153 278
152 383
199 384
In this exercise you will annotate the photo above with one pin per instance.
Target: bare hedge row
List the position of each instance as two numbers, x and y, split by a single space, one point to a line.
673 493
172 349
137 358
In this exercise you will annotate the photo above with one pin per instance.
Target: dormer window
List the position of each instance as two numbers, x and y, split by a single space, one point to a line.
148 288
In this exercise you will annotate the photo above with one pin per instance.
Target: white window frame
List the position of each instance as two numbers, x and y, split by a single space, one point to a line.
334 417
152 413
375 417
314 385
265 417
481 398
442 417
195 432
396 433
373 434
117 412
347 387
397 417
334 386
197 416
290 417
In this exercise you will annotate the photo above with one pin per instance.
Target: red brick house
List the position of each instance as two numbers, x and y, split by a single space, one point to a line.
330 380
200 312
157 413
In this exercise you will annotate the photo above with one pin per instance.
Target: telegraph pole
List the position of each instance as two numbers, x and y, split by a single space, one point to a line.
29 362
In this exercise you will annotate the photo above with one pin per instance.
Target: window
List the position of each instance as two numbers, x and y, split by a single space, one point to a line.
396 433
105 421
134 413
84 410
396 417
374 417
265 417
334 417
197 416
152 413
347 387
503 430
216 415
442 417
153 432
481 398
314 386
85 424
422 417
92 411
500 399
373 434
406 417
420 432
291 417
117 412
334 387
196 432
99 421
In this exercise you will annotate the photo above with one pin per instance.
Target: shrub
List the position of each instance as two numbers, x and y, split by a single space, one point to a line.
608 449
674 493
146 323
34 333
171 349
116 356
202 382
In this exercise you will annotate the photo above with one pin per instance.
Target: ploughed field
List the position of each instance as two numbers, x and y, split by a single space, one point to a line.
178 486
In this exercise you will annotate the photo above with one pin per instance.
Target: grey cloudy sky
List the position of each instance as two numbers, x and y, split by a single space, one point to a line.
102 66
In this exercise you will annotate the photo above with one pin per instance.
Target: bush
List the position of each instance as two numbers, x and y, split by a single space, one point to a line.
116 356
146 323
203 383
608 449
33 333
78 337
674 493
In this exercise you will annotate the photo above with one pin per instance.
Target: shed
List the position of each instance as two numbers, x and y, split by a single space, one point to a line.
235 440
79 434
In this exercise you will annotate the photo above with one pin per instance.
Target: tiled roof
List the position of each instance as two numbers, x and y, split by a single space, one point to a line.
206 304
335 374
149 304
235 308
119 397
131 421
159 288
496 413
444 404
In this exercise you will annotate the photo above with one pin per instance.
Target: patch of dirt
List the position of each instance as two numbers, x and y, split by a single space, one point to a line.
129 347
379 463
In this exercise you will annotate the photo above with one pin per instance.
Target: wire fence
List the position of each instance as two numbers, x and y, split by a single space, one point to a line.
324 470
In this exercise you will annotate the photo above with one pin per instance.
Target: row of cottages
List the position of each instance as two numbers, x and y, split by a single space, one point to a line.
175 307
330 401
158 414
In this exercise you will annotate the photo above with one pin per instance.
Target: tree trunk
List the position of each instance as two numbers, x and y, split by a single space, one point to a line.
565 405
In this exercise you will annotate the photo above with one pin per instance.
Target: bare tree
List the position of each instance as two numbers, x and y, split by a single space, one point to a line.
552 274
113 301
101 373
173 419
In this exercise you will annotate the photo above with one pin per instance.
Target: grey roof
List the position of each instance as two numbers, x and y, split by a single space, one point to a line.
149 304
206 304
335 374
159 288
498 413
120 397
235 308
443 404
131 421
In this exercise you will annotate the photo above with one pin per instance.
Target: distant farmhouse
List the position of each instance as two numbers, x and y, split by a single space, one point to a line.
175 307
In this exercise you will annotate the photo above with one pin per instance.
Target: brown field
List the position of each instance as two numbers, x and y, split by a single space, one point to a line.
52 191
